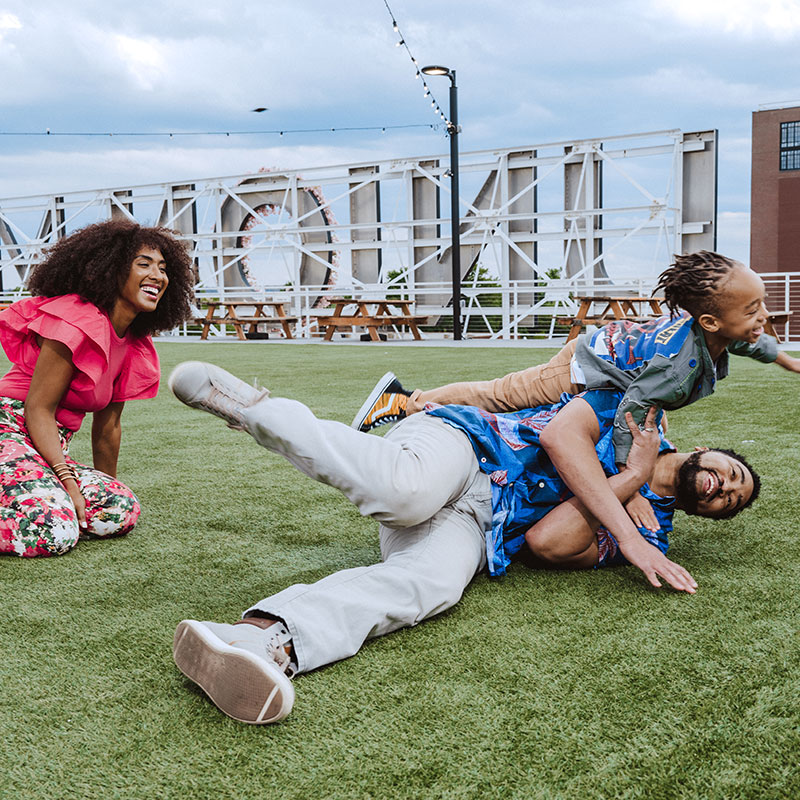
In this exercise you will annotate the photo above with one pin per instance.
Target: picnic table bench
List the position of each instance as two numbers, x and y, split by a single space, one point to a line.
226 312
776 318
633 309
370 314
614 307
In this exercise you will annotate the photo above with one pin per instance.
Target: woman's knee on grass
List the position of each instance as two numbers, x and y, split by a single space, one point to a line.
33 527
111 507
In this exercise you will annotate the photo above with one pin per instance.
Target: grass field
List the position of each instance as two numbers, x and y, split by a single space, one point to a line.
540 685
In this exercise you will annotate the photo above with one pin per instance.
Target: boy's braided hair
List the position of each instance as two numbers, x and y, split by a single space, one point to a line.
693 282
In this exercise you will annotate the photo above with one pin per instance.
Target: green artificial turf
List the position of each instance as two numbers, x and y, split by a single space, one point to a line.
540 685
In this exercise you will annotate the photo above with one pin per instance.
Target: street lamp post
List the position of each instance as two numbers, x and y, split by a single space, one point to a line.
455 221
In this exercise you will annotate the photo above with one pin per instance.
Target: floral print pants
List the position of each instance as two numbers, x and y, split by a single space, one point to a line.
37 516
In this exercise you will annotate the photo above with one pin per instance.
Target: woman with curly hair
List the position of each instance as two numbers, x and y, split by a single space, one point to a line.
82 344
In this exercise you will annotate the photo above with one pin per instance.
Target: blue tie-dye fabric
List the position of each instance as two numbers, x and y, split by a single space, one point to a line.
525 484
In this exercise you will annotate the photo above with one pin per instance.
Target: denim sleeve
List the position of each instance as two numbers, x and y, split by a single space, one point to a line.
657 385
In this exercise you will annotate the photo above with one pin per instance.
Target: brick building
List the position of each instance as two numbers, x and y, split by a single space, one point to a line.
775 202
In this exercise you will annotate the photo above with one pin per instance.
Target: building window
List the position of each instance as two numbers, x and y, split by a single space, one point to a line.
790 145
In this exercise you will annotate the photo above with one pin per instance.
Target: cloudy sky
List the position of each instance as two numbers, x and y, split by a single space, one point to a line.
528 71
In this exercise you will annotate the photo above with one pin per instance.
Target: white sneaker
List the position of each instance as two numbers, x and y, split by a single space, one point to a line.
236 666
213 389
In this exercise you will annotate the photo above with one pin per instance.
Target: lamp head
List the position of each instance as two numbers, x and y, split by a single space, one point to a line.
433 69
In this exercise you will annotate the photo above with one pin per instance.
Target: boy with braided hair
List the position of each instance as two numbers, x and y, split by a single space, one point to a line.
716 307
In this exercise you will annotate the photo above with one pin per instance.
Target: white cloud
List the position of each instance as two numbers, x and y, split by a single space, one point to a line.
142 59
8 22
696 85
733 235
748 18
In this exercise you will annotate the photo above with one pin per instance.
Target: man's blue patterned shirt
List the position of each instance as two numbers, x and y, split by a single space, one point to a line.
525 484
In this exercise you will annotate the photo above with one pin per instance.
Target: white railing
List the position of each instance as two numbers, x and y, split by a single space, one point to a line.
537 309
588 211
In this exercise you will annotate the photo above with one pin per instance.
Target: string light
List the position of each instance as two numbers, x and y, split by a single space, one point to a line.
401 42
381 128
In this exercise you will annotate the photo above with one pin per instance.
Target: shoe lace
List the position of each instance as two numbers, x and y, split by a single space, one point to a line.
278 640
384 419
228 406
283 660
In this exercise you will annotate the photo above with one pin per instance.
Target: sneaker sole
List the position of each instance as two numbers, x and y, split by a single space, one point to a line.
380 388
238 682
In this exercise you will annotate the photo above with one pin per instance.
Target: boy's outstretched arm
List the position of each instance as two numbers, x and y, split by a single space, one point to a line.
788 362
569 440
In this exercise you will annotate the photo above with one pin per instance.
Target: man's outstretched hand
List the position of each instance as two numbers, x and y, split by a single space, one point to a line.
637 549
655 564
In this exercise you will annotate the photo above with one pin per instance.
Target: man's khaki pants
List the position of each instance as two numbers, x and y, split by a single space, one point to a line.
422 483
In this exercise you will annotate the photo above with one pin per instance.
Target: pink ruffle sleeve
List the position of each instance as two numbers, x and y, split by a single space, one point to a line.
87 332
140 373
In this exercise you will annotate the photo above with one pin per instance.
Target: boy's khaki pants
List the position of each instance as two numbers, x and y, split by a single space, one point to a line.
535 386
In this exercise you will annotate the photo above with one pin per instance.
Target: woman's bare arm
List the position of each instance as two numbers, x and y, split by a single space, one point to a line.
106 437
51 378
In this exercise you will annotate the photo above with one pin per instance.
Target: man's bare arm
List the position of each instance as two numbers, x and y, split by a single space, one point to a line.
567 535
569 440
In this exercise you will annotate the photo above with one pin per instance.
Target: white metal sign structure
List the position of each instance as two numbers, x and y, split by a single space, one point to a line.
539 224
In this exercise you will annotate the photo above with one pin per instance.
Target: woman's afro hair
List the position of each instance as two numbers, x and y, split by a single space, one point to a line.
95 261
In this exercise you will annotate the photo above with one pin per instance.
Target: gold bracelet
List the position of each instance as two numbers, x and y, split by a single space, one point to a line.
64 471
66 475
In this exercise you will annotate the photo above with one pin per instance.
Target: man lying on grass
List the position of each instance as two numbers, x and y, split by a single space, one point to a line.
454 489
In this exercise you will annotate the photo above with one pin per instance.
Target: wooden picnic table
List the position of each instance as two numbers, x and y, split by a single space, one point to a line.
641 309
776 318
615 307
370 314
229 315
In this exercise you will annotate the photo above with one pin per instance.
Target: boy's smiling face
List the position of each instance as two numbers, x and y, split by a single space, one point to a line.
742 316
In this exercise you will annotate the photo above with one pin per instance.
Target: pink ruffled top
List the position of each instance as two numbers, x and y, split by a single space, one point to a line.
108 368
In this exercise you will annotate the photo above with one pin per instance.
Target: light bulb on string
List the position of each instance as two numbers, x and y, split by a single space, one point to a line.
418 73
